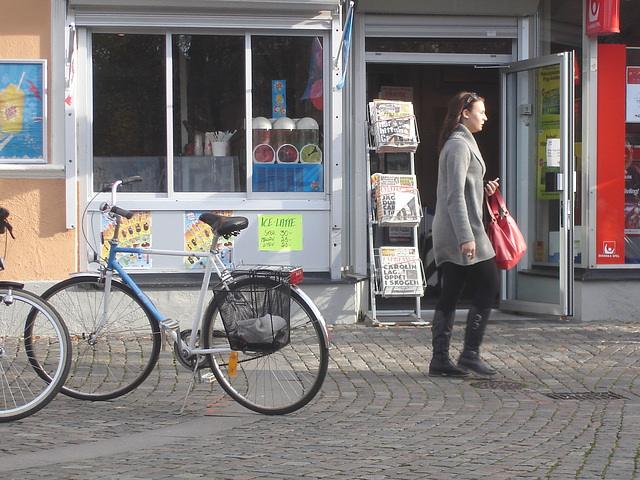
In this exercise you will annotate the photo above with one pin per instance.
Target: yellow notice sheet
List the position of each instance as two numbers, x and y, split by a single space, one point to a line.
280 232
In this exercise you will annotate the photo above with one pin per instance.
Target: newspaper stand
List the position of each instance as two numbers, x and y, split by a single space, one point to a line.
394 205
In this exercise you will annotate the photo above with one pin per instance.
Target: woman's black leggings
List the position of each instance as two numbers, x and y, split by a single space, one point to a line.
483 277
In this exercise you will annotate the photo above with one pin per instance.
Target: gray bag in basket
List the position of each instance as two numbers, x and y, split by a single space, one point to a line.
260 330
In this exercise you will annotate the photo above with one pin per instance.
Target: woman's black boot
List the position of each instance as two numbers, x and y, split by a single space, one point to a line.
441 329
470 358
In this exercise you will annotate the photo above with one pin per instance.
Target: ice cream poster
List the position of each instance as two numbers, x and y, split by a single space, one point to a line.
198 238
22 104
134 233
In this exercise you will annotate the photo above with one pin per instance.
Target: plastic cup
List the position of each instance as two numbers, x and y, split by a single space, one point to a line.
11 109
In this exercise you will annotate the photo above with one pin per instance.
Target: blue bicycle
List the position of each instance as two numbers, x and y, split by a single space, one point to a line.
265 341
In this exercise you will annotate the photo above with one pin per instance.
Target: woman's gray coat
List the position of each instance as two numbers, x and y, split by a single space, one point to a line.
459 201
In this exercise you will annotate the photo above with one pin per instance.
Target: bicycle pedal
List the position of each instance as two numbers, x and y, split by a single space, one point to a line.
208 377
170 324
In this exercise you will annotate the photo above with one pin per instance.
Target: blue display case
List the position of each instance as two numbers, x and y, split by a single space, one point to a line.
296 177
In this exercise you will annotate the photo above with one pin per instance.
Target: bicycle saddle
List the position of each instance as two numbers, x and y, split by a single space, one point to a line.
222 225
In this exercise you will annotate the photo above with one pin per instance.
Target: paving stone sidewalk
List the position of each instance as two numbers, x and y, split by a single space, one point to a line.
565 405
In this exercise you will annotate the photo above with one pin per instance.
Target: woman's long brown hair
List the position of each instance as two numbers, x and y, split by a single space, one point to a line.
462 101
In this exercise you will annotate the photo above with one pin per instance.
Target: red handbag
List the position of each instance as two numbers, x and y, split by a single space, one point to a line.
503 231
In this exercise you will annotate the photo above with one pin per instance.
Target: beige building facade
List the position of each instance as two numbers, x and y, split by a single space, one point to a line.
134 87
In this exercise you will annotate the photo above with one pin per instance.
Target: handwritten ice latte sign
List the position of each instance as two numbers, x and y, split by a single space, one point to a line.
280 232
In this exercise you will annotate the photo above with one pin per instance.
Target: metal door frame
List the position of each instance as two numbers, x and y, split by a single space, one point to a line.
566 181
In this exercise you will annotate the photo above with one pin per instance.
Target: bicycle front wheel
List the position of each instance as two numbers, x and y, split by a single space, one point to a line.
28 328
272 383
113 357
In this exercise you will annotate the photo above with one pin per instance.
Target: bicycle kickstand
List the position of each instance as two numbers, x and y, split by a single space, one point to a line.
196 377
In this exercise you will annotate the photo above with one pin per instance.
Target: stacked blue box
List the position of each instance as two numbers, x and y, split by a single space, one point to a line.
288 178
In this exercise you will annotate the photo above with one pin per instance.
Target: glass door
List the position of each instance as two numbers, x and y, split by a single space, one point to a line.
538 181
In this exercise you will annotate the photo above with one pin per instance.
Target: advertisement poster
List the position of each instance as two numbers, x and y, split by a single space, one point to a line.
198 238
22 101
632 190
279 98
280 232
548 127
134 233
633 94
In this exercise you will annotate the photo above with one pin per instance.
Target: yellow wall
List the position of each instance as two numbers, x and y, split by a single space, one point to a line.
44 249
25 29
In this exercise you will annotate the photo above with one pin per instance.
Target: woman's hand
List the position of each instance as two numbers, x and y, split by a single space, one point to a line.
468 249
491 186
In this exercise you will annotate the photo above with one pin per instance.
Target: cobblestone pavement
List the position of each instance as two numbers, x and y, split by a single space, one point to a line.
565 405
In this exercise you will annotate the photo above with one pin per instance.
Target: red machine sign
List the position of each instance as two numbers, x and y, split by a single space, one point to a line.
603 17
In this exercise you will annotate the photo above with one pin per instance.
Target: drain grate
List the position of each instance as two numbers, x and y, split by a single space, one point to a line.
499 385
585 396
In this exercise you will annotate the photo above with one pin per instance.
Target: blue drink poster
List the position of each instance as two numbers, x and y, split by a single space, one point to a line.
22 107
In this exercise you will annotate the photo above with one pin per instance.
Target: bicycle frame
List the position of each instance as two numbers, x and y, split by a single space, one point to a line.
214 264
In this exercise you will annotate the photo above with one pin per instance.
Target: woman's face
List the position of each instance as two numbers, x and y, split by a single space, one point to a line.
474 117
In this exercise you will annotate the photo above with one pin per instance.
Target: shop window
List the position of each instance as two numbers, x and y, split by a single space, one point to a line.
287 146
208 113
207 125
129 113
632 157
629 36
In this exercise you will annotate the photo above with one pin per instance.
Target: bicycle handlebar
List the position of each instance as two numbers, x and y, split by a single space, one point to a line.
122 212
113 188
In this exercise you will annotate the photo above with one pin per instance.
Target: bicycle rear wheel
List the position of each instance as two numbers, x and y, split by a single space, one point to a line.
29 327
116 359
274 382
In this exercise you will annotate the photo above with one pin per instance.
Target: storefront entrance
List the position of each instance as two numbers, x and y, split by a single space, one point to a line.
527 142
540 162
430 87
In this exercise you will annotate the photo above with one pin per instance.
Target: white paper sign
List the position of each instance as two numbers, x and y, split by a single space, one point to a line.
633 94
553 152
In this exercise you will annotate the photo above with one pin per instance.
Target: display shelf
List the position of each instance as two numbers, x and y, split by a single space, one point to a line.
394 212
398 272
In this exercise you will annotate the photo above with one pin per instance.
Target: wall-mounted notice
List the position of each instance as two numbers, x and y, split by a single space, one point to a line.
280 232
633 94
198 238
134 233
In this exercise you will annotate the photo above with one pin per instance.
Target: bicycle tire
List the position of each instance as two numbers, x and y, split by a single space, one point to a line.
278 382
29 326
125 351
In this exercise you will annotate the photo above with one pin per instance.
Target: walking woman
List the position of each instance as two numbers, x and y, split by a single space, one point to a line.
461 247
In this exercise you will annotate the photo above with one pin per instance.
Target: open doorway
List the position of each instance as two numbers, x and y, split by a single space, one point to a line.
430 87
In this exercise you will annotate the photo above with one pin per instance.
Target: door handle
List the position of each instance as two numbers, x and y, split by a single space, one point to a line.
553 181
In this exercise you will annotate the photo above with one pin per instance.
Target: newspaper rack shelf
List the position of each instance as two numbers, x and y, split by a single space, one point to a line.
394 212
396 200
398 272
393 126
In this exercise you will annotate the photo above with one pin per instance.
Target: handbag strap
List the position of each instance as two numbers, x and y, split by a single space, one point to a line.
494 201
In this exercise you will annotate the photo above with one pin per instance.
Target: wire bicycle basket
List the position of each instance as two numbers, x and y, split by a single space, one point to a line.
256 314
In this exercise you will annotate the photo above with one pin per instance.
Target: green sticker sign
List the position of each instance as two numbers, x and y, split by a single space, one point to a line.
280 232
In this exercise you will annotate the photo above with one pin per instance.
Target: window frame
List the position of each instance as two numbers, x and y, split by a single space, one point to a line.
265 198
